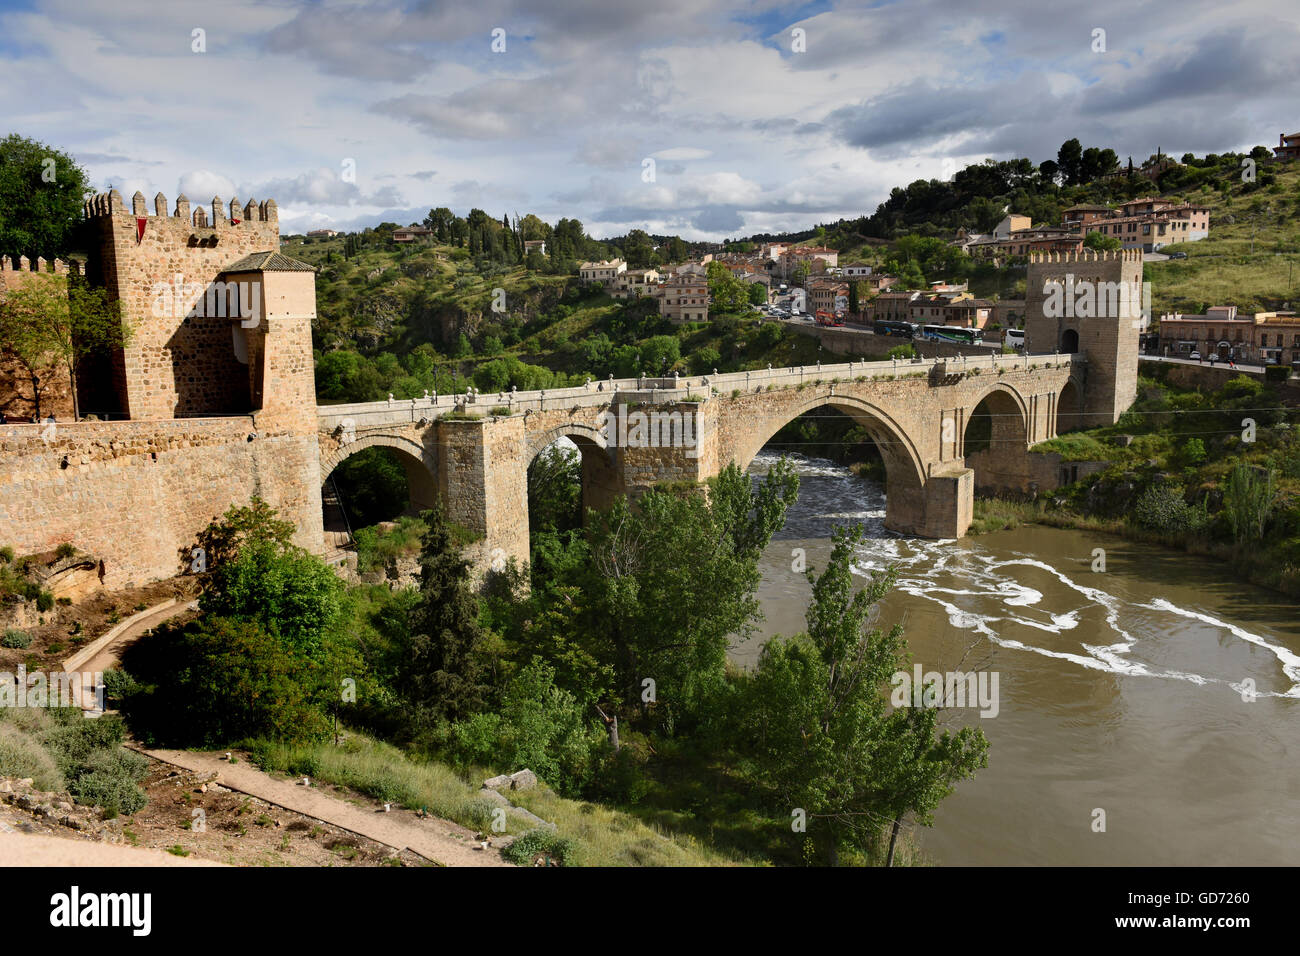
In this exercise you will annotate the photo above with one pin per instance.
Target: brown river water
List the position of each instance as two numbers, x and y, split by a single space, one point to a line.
1124 690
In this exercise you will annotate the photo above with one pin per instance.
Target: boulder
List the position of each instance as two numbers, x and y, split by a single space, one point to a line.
523 780
495 783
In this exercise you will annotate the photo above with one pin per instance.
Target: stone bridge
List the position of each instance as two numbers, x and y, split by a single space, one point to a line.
473 450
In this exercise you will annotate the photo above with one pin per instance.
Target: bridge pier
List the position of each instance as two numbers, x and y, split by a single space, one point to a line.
941 508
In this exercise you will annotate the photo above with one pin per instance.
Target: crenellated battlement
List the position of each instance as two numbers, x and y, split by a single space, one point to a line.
1087 255
216 213
23 264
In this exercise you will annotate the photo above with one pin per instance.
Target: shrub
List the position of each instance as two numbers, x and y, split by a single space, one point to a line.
1193 451
218 680
541 842
1276 373
16 639
109 780
6 554
540 726
44 601
1163 509
65 550
22 755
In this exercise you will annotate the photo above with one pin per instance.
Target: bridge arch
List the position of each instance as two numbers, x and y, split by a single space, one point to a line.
418 463
1008 413
601 481
578 432
894 444
1069 408
905 473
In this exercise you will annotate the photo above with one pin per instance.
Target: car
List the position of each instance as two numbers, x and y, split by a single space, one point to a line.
1177 255
1195 356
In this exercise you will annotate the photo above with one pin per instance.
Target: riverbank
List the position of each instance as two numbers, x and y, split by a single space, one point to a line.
1256 565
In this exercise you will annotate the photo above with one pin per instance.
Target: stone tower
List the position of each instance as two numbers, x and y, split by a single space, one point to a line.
1089 302
221 322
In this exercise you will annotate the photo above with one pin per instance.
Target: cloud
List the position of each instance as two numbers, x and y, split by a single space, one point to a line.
201 185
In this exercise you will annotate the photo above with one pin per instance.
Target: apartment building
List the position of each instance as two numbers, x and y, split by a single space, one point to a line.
684 298
1264 338
894 306
604 271
633 283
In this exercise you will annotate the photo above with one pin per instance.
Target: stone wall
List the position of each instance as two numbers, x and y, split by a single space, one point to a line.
175 364
136 494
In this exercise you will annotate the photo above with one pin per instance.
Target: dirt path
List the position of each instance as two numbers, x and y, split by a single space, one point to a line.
438 840
33 849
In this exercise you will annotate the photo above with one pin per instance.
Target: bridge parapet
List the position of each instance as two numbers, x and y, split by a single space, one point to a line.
667 390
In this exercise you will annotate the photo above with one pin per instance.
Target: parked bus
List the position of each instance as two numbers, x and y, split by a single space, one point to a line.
948 333
1015 337
893 327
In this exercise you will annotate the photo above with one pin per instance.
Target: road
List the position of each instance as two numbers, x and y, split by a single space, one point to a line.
1182 361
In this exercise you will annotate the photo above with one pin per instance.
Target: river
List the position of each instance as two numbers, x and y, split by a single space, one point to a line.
1123 689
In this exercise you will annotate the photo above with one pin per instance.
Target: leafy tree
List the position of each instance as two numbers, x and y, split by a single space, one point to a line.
218 680
639 249
540 726
674 579
1095 240
824 739
289 592
444 673
41 195
254 523
660 352
555 490
1248 500
50 323
727 293
1069 160
757 293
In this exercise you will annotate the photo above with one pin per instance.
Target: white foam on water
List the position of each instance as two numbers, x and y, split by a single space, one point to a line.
921 565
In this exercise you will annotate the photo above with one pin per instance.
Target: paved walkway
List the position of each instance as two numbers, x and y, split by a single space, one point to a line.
105 652
438 840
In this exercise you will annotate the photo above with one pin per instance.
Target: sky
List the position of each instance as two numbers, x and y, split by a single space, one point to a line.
704 119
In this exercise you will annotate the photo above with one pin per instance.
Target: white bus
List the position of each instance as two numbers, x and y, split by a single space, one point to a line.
1015 337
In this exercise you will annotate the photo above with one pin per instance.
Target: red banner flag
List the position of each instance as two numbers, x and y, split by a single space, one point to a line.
139 229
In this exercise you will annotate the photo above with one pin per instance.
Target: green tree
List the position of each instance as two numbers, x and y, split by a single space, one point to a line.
254 523
822 735
216 680
555 490
1095 240
673 580
1248 500
540 726
1069 160
42 191
444 673
50 323
289 592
